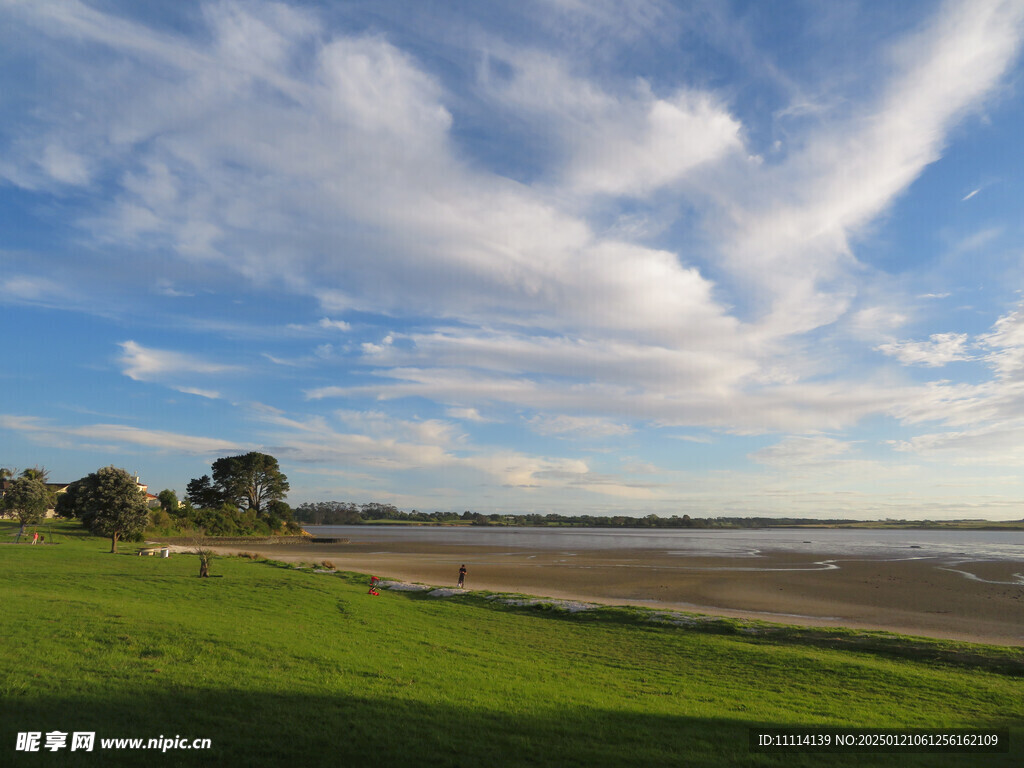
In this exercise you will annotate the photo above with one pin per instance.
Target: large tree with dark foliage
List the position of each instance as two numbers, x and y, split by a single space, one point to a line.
108 502
251 481
202 495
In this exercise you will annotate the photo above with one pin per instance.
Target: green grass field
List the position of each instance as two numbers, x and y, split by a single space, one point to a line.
283 666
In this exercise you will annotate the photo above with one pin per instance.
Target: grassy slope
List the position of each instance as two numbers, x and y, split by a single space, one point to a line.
286 667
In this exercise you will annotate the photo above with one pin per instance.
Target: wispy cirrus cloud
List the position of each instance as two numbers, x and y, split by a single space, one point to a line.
114 436
147 363
999 444
802 451
578 426
170 368
375 441
794 225
28 288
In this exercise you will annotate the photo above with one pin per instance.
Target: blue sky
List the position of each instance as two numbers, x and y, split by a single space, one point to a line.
701 258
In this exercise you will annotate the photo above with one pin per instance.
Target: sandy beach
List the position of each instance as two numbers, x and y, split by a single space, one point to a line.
976 602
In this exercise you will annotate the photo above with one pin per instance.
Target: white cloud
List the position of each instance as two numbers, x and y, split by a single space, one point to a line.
983 419
289 363
466 414
207 393
873 322
339 325
675 136
578 426
372 350
703 439
793 222
1007 344
940 349
381 425
750 410
374 440
149 364
64 166
29 288
1000 444
801 451
362 166
630 143
165 288
46 432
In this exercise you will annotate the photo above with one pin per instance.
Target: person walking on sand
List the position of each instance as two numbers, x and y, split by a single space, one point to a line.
462 576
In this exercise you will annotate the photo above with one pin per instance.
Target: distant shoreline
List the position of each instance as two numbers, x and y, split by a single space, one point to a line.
952 525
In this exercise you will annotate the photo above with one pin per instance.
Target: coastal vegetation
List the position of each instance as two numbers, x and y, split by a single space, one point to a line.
186 520
244 498
350 513
289 665
252 481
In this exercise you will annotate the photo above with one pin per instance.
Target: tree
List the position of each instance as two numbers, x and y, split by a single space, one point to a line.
278 514
108 502
251 481
328 513
6 475
202 495
42 474
26 499
205 557
168 501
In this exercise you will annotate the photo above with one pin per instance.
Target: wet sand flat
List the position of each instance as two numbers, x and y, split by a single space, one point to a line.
936 597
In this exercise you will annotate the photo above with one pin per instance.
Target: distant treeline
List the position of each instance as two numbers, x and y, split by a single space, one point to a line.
348 513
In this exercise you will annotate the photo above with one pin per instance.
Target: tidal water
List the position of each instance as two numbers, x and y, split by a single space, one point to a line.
894 544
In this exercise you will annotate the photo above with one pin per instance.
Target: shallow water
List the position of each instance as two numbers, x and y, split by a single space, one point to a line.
892 544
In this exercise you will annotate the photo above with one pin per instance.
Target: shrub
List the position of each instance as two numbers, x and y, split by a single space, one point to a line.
159 519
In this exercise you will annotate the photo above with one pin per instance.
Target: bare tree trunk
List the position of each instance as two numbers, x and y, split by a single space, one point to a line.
113 543
205 556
